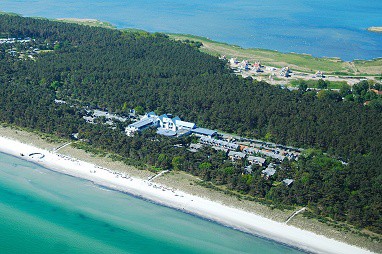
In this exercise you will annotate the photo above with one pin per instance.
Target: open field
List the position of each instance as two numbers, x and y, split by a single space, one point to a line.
299 62
372 66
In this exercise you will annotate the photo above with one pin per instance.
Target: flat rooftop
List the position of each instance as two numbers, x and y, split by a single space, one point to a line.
204 131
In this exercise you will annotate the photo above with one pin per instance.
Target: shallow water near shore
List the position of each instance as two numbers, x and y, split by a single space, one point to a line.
321 27
43 211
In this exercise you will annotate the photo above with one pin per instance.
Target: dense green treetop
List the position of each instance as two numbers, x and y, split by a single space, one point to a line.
119 70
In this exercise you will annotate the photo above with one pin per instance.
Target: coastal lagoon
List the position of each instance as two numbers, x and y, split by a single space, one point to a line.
43 211
321 27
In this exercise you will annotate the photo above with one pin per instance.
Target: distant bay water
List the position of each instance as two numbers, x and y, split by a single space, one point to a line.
46 212
332 28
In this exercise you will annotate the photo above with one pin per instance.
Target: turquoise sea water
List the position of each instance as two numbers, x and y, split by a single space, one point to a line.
43 211
334 28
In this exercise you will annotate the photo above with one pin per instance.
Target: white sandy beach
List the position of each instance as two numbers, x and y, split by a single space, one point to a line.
239 219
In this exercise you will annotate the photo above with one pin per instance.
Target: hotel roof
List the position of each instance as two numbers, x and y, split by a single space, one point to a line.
204 131
184 123
142 123
164 132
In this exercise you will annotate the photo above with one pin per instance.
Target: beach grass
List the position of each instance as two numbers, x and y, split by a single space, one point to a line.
369 66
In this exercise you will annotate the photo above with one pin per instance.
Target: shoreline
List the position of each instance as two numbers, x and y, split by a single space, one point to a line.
109 25
161 194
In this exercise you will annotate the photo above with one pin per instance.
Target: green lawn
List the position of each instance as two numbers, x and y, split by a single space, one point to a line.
314 83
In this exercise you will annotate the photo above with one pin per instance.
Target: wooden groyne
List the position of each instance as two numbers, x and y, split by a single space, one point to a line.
294 214
158 175
61 146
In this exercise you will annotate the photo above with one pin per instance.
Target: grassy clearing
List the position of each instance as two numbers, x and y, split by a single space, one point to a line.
314 83
372 66
299 62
